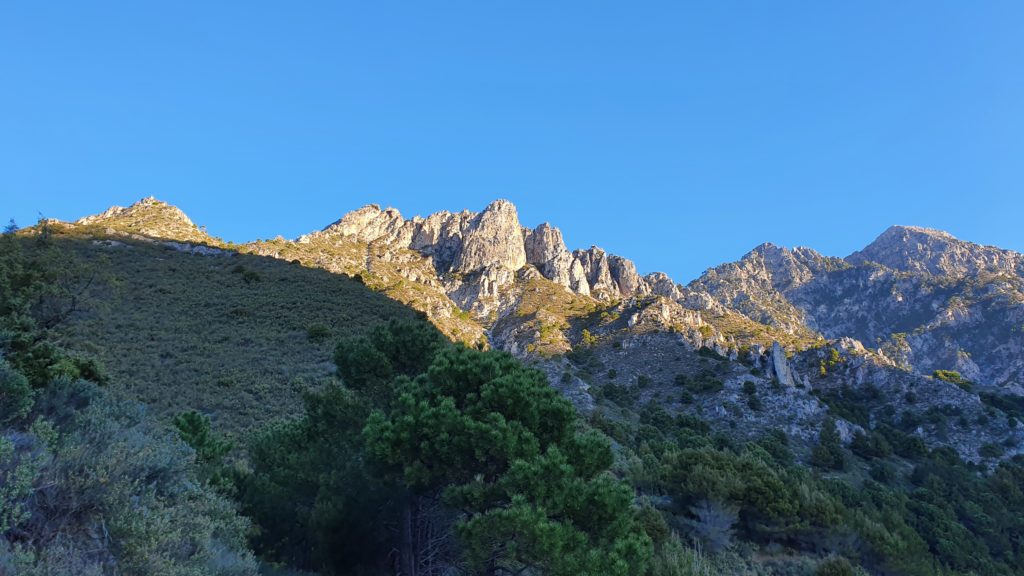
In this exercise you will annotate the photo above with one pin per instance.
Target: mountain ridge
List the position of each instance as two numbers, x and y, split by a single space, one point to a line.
815 333
473 268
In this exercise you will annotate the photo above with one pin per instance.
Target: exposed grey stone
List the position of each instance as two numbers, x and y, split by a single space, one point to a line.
780 367
916 249
494 237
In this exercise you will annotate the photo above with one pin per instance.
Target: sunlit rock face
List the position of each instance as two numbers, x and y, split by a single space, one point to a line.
924 298
468 242
923 250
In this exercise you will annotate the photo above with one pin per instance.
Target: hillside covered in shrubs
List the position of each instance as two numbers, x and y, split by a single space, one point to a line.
173 412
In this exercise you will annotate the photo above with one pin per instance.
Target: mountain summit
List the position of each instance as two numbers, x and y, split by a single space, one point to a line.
914 249
148 217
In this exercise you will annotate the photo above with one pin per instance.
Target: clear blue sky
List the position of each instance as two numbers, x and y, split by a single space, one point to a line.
677 134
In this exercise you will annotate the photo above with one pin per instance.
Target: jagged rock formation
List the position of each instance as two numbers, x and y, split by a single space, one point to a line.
780 367
923 250
482 261
546 250
467 242
925 298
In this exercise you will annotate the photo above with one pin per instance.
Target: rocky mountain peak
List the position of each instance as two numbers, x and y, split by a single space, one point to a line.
367 223
148 217
493 238
921 231
924 250
148 206
770 266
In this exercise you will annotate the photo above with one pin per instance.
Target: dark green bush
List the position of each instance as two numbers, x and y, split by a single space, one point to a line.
318 332
706 352
991 451
15 395
754 403
829 453
704 383
870 445
834 566
251 276
954 377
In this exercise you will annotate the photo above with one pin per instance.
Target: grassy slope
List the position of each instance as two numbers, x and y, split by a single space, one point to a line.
181 331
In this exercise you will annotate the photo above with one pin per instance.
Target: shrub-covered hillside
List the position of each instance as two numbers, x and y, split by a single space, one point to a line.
91 484
236 336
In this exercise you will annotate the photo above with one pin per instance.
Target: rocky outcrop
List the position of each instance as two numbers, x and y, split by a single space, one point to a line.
780 366
493 238
367 224
546 250
466 242
610 276
928 300
923 250
148 217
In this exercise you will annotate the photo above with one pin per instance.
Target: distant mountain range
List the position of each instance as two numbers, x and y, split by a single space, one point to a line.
913 302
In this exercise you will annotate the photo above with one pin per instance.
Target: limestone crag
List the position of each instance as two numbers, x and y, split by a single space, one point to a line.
780 367
148 217
546 250
493 238
466 243
927 300
915 249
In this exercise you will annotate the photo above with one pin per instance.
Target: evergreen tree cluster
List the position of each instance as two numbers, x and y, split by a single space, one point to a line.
451 457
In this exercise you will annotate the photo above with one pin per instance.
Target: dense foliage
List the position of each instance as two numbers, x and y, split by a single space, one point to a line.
475 462
916 513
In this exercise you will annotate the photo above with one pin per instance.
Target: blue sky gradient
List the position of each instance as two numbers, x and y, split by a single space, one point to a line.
677 134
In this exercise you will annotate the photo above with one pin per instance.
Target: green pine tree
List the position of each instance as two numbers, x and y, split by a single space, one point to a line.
492 439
